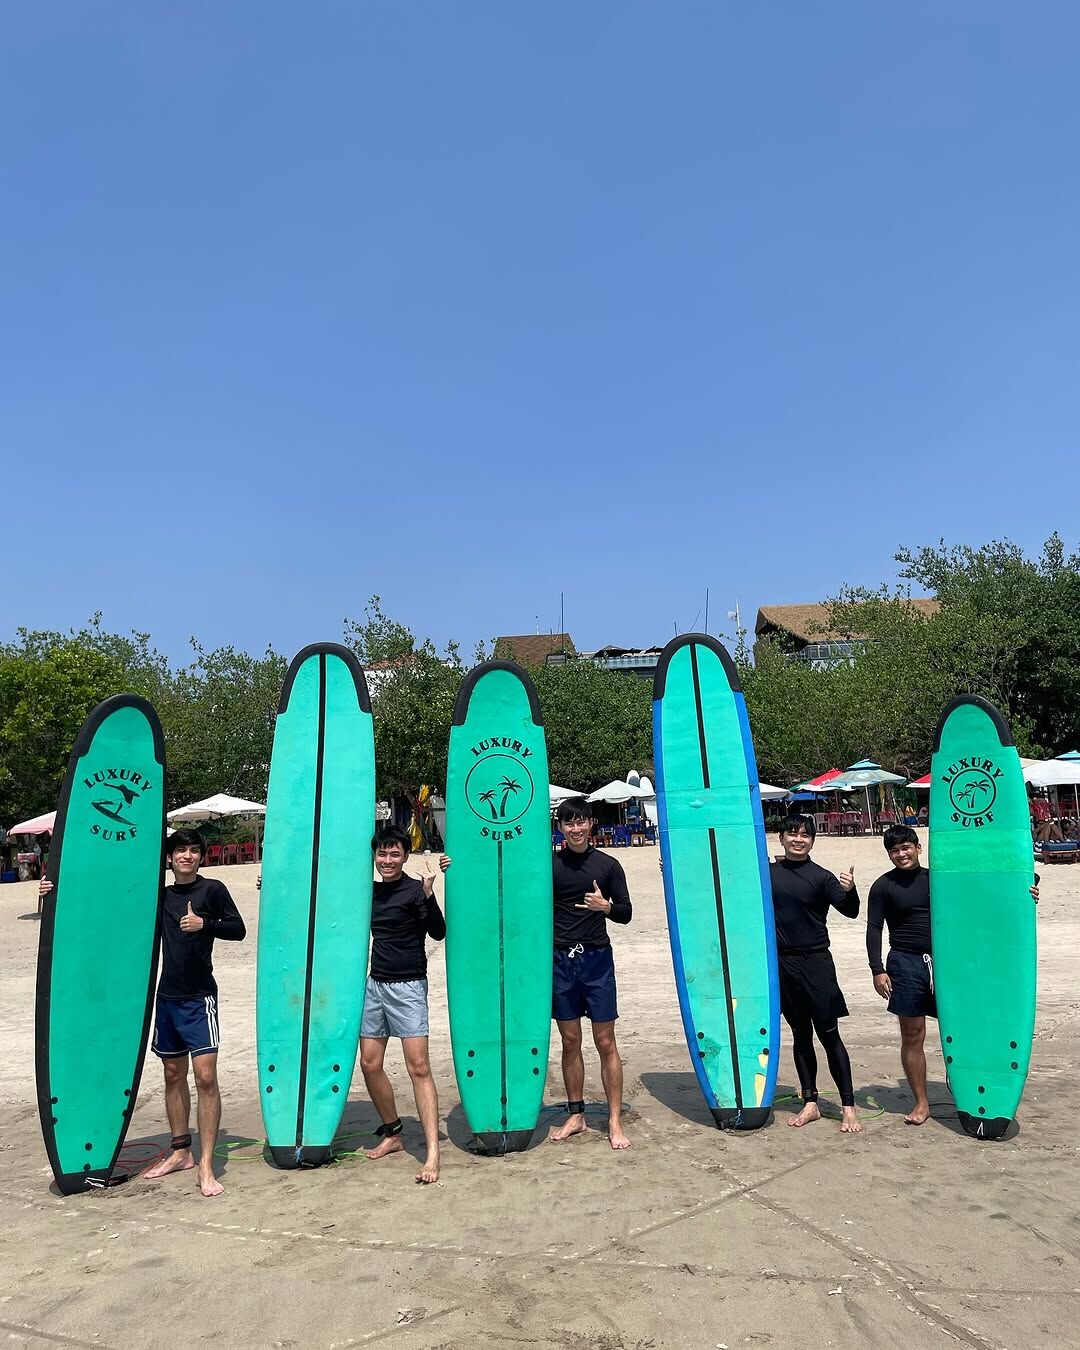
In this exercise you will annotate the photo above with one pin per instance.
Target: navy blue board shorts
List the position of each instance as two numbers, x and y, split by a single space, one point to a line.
186 1026
912 977
584 984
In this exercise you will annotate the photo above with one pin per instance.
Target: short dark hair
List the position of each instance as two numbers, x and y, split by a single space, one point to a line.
799 821
899 834
190 837
385 835
573 808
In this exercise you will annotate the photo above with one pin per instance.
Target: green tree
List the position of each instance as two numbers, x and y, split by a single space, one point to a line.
49 682
598 723
218 716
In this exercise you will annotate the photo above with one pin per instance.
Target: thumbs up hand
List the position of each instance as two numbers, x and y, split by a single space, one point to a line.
191 922
847 879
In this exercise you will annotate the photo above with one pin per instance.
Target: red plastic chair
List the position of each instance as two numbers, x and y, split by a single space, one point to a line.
213 855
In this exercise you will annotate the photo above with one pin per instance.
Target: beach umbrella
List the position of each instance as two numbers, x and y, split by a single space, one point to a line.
922 783
770 793
865 774
36 825
822 783
220 805
616 792
558 794
648 800
1069 754
1061 772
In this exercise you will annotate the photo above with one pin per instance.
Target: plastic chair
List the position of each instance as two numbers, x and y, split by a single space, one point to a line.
213 855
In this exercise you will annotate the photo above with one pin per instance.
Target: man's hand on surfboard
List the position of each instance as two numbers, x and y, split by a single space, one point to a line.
594 900
191 922
847 879
444 862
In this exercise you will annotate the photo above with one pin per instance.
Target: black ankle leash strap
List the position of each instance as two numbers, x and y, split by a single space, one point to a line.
395 1127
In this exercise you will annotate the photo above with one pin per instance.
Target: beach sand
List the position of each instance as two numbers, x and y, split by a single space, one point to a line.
901 1237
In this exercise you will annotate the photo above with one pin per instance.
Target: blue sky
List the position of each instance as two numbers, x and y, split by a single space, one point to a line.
470 304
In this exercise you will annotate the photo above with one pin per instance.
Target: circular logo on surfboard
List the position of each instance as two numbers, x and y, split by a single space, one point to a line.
973 789
499 789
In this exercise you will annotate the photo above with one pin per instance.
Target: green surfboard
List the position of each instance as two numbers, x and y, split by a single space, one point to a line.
982 915
315 909
95 984
716 880
499 915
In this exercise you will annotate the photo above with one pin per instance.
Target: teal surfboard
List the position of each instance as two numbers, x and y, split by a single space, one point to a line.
716 880
499 913
981 914
315 904
97 952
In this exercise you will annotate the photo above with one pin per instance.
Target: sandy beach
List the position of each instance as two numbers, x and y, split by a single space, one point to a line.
901 1237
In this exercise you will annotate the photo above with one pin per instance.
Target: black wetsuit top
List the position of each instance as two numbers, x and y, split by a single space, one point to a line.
802 894
572 877
187 968
901 900
402 917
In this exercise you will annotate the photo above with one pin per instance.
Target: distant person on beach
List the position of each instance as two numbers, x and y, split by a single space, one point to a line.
404 913
901 899
1044 828
588 889
195 911
810 997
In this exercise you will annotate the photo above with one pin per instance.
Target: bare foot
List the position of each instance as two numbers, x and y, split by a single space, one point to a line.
919 1114
429 1173
809 1113
849 1121
391 1144
617 1135
209 1184
575 1124
179 1160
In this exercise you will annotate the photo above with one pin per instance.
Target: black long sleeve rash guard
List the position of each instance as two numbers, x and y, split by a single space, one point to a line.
187 967
803 893
900 899
402 917
572 877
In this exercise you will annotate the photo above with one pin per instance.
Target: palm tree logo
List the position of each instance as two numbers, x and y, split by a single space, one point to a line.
509 787
499 788
972 793
969 792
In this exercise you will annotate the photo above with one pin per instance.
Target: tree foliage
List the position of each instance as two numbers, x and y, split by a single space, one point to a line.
1008 628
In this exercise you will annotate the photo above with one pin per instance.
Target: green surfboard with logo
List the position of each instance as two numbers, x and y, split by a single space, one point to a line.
982 915
97 951
499 915
315 903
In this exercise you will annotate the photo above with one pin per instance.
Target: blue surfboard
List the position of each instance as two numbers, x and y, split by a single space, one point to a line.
716 880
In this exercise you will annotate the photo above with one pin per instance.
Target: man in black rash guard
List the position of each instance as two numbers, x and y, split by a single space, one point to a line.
404 913
810 997
901 899
588 889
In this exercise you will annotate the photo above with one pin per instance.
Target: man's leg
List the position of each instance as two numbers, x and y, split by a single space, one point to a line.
415 1049
372 1054
913 1058
611 1075
802 1051
840 1068
178 1110
573 1073
209 1118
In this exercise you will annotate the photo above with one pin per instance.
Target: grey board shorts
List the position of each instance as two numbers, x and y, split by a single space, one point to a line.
397 1009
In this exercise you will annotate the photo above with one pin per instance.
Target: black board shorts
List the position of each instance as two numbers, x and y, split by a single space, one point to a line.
912 976
809 991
